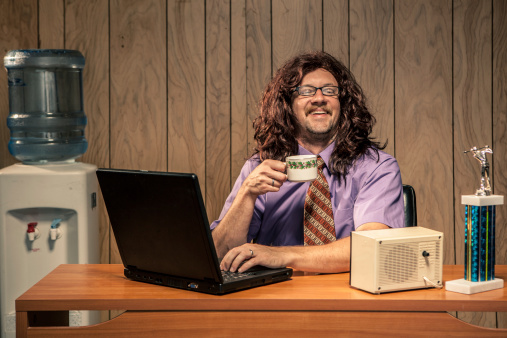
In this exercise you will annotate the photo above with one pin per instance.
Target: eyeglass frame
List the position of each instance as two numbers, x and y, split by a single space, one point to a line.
316 89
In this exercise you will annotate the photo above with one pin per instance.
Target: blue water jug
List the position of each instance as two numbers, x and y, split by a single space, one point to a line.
46 117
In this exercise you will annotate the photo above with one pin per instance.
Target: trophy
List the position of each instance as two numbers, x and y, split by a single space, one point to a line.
480 155
480 216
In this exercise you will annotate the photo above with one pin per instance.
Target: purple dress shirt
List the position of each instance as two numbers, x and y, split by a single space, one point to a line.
371 192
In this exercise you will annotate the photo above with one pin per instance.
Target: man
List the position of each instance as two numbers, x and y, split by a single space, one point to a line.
313 105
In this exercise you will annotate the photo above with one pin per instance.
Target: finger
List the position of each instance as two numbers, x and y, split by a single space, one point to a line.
240 259
224 266
276 184
271 174
269 184
273 182
275 165
229 257
278 176
247 265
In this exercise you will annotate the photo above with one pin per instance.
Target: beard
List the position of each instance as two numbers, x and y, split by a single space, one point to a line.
319 129
319 132
314 130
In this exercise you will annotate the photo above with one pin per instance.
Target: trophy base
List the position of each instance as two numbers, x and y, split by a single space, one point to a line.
468 287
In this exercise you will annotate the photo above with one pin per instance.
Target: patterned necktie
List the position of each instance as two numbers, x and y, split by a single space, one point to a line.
318 221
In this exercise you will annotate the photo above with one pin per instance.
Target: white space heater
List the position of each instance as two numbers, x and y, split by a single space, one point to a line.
396 259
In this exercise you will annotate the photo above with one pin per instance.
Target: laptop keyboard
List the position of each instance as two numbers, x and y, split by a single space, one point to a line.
229 276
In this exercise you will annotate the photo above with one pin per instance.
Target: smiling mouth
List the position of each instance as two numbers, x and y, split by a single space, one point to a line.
319 112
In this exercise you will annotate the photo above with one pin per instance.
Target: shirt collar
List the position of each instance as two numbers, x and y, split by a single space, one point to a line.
325 154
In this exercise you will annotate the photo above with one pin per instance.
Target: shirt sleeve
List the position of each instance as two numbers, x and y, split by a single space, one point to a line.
380 196
248 167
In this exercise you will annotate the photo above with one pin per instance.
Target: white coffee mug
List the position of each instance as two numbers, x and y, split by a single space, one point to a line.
301 168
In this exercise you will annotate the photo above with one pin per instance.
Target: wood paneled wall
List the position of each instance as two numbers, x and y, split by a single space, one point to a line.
173 85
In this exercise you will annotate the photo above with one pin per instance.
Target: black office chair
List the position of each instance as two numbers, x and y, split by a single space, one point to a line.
410 206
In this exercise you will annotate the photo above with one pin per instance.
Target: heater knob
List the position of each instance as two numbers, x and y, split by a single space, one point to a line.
425 253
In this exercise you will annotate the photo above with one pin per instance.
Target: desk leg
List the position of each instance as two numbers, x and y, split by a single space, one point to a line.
24 320
21 324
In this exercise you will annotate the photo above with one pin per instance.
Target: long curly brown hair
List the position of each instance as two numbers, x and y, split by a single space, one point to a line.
276 126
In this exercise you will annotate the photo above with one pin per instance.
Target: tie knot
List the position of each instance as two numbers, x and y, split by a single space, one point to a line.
320 162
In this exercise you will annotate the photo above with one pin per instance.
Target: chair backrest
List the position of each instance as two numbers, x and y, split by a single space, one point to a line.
410 206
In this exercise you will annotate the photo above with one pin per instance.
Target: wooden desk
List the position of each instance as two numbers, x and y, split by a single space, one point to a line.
323 305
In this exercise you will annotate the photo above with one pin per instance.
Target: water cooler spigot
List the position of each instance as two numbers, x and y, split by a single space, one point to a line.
32 231
54 231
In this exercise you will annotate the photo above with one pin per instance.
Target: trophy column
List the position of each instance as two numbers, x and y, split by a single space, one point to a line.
480 217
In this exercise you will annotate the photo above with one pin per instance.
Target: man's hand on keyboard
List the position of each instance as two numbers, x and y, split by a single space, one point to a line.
248 255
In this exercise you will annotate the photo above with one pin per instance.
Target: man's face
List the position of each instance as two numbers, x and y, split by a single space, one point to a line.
317 115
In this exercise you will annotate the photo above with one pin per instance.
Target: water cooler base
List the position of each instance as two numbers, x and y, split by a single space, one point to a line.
48 217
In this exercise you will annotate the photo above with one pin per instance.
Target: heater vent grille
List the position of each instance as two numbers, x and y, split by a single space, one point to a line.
399 263
404 263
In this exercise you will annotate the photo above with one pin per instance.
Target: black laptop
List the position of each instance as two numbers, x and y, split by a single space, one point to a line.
163 235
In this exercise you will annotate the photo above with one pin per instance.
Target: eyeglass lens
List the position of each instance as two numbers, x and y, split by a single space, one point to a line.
308 90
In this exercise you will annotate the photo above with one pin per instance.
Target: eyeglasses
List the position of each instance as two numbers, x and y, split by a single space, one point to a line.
308 90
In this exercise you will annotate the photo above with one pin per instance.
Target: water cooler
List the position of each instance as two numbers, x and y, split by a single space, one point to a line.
48 202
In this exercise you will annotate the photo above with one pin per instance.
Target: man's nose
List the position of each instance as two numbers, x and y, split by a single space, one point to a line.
318 96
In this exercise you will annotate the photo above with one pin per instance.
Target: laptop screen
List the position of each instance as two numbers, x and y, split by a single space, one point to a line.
159 222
